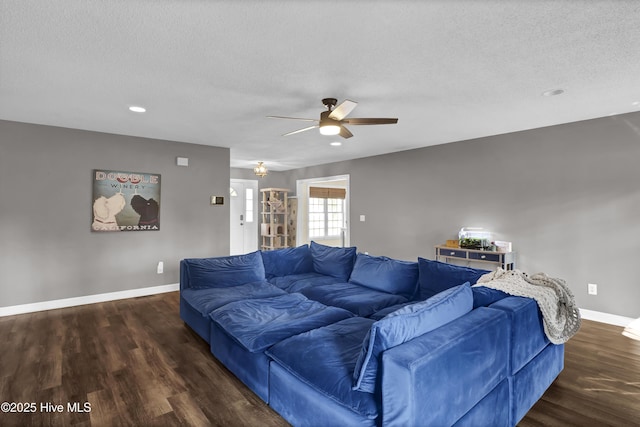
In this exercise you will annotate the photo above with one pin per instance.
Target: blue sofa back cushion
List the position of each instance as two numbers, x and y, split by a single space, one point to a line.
385 274
287 261
404 325
436 276
225 272
333 261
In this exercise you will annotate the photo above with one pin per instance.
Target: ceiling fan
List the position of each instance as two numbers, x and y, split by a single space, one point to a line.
333 120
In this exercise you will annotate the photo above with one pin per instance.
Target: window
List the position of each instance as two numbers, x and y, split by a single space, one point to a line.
326 217
335 216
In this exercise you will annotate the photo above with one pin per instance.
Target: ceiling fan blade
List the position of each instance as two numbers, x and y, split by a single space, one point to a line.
292 118
345 133
343 110
301 130
379 121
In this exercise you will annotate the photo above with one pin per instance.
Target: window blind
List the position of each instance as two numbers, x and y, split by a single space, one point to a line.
327 193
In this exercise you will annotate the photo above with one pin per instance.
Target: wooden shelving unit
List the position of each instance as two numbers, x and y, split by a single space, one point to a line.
274 212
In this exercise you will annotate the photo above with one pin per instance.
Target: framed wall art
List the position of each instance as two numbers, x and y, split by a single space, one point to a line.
125 201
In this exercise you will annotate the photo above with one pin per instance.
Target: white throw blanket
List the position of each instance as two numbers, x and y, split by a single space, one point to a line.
561 317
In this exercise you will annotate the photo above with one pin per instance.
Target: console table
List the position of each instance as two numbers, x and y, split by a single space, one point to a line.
506 260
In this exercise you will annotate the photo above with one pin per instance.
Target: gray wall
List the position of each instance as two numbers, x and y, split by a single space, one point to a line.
47 250
567 196
273 178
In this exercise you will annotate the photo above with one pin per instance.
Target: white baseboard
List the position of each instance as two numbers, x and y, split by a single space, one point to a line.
612 319
89 299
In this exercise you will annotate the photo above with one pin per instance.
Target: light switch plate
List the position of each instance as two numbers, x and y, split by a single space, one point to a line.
217 200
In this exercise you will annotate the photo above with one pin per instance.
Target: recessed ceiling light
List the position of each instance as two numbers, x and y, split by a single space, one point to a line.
635 103
336 143
553 92
137 109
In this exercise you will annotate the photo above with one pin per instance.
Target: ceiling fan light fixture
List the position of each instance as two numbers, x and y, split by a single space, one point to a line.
260 170
327 125
329 129
333 120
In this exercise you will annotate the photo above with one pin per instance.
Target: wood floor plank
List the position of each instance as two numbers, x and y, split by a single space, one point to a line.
136 363
187 411
590 410
104 411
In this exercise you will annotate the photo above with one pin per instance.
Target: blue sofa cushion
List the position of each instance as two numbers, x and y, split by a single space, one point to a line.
333 261
223 272
385 274
205 300
324 359
355 298
257 324
287 261
436 276
297 282
484 297
404 325
527 330
388 310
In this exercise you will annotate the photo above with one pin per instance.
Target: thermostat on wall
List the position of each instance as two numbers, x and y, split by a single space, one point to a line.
217 200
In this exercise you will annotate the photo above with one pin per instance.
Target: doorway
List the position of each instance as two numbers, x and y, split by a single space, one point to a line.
323 211
243 205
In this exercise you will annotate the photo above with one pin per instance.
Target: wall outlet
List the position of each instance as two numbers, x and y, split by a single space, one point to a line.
362 218
160 267
593 289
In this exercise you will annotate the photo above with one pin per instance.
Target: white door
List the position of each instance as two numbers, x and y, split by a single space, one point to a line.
243 194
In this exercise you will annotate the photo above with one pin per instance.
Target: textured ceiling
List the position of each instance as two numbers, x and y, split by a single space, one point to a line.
209 72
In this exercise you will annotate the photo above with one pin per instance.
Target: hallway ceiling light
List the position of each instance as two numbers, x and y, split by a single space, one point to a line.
137 109
260 170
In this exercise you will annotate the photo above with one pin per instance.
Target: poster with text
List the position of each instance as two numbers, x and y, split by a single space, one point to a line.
125 201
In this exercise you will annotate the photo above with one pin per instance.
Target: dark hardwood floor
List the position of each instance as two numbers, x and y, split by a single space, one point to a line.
600 383
137 364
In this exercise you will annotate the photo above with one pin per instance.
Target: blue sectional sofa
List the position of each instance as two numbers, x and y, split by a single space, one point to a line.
331 337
